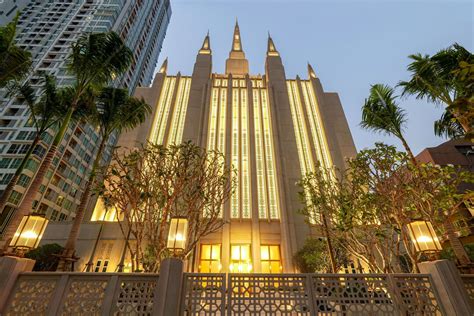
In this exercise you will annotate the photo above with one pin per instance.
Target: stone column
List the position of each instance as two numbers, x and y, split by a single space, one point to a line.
10 268
167 296
449 285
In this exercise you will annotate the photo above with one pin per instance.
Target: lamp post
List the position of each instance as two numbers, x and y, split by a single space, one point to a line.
177 234
424 237
29 233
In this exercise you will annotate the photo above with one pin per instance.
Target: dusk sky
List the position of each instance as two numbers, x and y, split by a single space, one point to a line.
351 45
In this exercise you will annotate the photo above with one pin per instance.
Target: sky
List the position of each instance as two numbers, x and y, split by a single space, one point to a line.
351 45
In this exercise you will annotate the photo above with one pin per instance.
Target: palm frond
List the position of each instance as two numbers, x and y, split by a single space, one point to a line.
380 112
448 126
97 58
117 111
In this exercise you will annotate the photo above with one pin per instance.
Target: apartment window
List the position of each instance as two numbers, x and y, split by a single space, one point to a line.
240 259
32 165
15 197
270 258
6 178
5 162
210 259
24 180
16 163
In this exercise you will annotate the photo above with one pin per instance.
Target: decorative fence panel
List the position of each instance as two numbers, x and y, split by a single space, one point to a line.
468 280
232 294
204 294
310 294
82 293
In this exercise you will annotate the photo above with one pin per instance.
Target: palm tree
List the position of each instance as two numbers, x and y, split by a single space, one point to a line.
434 78
15 62
116 111
45 112
381 113
95 60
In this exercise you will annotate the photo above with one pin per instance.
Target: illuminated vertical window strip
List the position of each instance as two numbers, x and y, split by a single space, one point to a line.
261 185
183 110
159 112
319 126
166 112
235 151
179 114
246 209
273 204
316 133
222 121
302 143
211 138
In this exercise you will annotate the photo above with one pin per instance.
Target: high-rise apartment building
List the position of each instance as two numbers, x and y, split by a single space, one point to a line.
9 8
270 128
47 29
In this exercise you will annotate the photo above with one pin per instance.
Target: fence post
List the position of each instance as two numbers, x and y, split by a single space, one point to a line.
449 285
167 297
10 268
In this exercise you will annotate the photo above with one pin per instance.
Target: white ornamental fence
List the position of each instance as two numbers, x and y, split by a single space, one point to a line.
36 293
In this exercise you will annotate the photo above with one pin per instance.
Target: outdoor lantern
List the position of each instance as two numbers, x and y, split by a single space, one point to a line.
424 237
30 231
178 233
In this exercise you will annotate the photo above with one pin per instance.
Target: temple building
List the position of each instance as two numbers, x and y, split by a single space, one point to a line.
272 129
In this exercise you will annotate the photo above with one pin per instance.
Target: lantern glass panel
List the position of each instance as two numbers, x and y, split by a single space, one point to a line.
30 232
423 236
178 233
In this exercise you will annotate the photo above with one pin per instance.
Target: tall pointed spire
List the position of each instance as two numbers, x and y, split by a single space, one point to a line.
311 72
237 64
236 42
271 50
164 66
206 45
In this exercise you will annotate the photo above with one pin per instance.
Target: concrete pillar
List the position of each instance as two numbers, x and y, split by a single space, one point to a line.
449 285
168 290
10 268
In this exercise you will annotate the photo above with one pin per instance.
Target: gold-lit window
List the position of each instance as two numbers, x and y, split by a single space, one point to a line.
210 259
270 258
240 259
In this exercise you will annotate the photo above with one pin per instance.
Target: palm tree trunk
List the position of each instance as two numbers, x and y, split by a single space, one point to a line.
456 244
8 190
90 263
70 246
408 150
26 205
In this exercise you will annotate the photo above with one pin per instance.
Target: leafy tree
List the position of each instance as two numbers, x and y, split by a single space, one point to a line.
149 185
46 256
370 204
15 62
116 111
313 257
436 196
45 111
441 79
381 113
95 59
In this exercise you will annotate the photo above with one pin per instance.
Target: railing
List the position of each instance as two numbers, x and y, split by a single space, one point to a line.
233 294
468 280
82 294
310 294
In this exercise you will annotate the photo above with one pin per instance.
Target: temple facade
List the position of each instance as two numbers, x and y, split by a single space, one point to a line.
270 128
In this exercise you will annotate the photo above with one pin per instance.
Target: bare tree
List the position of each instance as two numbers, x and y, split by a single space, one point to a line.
150 185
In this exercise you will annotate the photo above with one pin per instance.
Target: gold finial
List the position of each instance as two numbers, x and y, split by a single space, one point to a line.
311 72
271 50
164 66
